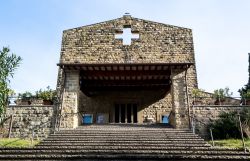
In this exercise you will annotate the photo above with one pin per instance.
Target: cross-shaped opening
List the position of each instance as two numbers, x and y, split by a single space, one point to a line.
126 35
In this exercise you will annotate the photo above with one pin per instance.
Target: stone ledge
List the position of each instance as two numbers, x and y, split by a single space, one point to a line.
16 106
223 106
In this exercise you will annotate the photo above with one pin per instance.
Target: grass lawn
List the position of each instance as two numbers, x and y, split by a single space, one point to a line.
16 142
231 143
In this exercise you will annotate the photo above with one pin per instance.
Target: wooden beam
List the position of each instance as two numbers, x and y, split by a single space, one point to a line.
125 82
124 73
135 87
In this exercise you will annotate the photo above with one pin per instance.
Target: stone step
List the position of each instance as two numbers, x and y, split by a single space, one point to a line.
57 147
123 134
130 150
80 144
122 139
120 142
127 136
139 142
112 142
128 129
111 156
143 143
127 126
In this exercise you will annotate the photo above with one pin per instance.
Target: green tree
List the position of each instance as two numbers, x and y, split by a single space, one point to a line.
8 64
245 91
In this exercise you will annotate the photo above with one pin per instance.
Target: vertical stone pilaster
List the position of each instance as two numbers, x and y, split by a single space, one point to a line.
178 92
70 102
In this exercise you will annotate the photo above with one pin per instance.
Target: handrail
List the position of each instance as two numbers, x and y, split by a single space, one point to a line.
66 114
37 127
241 132
219 96
60 116
60 94
193 128
227 100
5 119
10 124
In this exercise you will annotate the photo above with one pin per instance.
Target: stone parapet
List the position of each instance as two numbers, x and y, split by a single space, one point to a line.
26 118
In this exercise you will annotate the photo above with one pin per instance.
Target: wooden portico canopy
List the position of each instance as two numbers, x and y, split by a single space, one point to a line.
124 76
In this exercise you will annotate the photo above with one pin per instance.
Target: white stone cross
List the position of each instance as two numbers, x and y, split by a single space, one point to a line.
126 36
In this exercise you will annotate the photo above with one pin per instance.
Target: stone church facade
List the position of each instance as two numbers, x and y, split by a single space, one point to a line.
145 79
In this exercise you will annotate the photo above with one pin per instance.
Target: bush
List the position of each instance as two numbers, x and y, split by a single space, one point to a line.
47 94
25 96
222 93
226 126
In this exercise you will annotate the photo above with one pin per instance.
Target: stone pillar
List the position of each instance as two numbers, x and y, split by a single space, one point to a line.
126 114
120 114
178 92
70 102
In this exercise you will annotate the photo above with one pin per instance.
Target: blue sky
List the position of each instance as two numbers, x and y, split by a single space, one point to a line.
221 30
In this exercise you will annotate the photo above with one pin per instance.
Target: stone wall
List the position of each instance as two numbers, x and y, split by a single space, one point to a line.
209 113
25 118
207 98
157 43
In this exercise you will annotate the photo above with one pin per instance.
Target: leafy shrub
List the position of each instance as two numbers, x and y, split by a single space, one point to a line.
226 126
198 92
25 96
47 94
222 93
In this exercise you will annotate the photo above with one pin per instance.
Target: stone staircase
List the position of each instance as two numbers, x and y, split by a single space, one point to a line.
123 142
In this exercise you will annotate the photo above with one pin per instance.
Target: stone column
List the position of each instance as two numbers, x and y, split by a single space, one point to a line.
70 102
120 114
132 114
126 118
178 92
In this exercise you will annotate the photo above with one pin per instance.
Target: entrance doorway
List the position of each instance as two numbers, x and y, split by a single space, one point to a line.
126 113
